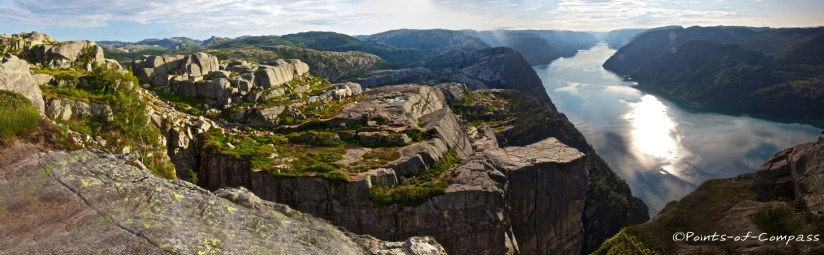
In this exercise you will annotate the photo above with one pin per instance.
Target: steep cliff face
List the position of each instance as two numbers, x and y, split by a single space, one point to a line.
518 120
538 190
535 50
501 68
86 201
783 198
517 200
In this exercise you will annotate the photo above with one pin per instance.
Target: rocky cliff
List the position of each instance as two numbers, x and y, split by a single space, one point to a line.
518 119
501 68
452 184
333 66
783 198
94 202
714 66
534 49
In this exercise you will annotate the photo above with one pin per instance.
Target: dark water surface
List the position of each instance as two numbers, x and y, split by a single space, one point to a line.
663 146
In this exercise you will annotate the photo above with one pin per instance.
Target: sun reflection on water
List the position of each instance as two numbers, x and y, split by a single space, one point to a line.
654 131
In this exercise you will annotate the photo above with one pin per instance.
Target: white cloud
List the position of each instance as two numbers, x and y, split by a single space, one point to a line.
203 18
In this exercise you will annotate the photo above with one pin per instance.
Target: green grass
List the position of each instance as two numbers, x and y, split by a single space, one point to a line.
184 104
258 150
698 212
423 185
18 116
407 195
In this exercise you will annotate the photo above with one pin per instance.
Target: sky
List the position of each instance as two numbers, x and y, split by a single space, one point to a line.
130 20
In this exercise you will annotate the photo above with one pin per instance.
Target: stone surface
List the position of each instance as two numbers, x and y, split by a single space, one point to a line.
87 202
23 41
476 206
59 108
799 168
280 72
103 111
69 53
15 76
168 70
453 92
399 105
42 79
267 117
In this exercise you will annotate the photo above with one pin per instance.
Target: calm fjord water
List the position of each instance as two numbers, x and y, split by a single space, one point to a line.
663 146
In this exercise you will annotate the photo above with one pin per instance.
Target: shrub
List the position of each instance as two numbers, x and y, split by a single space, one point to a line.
18 116
776 221
415 134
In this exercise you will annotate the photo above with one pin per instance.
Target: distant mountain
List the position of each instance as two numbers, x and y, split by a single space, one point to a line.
618 38
435 41
538 46
361 37
165 43
535 50
779 72
328 41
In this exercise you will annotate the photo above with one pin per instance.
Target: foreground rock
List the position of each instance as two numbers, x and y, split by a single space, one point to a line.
15 76
88 202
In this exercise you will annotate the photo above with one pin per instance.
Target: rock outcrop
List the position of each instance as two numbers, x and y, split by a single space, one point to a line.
795 174
15 76
280 72
492 201
23 41
519 120
782 199
500 68
479 205
161 69
65 109
70 53
91 202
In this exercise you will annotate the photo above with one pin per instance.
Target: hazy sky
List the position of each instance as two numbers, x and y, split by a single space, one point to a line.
132 20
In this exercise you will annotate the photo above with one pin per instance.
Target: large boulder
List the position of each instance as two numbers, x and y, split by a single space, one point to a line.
85 202
167 68
71 53
795 173
280 72
15 76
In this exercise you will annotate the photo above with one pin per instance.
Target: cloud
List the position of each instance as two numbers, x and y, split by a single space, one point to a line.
193 16
203 18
